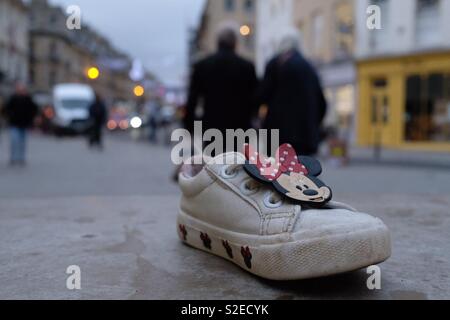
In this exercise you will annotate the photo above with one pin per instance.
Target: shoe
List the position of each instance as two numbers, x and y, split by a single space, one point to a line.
226 212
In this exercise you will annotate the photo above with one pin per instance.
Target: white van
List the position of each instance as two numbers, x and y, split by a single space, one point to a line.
71 102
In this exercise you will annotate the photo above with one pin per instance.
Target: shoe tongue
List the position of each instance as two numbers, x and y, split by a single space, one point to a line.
227 159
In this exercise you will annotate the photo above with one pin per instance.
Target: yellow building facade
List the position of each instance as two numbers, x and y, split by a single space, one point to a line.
404 102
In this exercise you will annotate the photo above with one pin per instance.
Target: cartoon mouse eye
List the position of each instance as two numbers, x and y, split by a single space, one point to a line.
302 187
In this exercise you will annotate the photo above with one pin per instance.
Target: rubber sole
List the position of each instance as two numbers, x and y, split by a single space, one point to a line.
278 258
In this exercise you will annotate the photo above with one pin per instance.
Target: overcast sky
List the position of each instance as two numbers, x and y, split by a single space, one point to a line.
154 31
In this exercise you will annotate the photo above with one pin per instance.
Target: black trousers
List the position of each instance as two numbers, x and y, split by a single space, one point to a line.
95 136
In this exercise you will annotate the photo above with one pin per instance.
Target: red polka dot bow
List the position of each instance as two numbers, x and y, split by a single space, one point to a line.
285 161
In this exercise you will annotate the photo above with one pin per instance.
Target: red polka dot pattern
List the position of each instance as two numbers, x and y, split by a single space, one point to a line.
271 169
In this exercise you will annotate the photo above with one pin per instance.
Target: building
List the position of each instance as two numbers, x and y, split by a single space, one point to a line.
59 55
260 24
274 18
404 74
13 45
327 33
326 29
238 14
53 56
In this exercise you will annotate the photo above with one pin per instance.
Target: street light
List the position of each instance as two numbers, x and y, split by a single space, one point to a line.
139 91
245 30
93 73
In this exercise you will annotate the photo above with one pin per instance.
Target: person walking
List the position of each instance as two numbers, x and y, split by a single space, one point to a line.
293 94
226 84
98 116
20 112
154 119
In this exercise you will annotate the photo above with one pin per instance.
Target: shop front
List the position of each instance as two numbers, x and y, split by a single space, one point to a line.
338 80
404 102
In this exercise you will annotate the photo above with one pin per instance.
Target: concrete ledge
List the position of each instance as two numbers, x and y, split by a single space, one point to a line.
127 248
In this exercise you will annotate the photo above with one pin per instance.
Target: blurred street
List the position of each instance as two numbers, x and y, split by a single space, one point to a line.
113 214
92 92
65 167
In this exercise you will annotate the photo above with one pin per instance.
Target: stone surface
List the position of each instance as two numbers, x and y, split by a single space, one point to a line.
127 248
113 214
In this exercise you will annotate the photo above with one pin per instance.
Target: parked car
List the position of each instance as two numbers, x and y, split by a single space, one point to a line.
71 103
118 120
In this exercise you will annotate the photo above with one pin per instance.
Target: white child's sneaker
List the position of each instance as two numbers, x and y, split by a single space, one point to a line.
225 211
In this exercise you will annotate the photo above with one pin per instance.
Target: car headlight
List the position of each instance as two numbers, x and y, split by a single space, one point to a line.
136 122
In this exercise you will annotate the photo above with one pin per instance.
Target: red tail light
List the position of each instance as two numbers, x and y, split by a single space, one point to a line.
48 112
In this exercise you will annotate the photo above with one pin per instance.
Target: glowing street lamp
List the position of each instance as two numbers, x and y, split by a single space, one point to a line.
93 73
244 30
139 91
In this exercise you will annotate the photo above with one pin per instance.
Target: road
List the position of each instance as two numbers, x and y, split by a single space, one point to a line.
113 214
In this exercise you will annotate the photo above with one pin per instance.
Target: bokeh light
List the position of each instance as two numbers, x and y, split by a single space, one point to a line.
139 91
245 30
93 73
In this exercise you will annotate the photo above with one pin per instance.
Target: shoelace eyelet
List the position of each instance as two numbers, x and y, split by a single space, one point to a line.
246 189
268 202
228 175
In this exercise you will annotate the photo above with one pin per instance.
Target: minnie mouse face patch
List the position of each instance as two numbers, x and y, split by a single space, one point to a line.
292 175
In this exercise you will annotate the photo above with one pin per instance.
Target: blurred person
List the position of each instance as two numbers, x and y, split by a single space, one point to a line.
1 118
154 118
20 112
98 116
226 84
294 97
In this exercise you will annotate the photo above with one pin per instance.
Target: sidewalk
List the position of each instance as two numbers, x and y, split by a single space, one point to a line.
113 213
438 160
127 248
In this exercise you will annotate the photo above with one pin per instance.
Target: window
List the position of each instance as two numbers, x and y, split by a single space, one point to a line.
379 102
428 22
32 76
51 78
344 30
317 34
341 101
249 5
229 5
53 18
427 111
53 51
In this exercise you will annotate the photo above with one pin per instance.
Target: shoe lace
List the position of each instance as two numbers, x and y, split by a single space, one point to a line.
252 184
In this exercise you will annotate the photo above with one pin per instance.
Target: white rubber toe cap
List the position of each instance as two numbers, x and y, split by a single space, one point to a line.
331 222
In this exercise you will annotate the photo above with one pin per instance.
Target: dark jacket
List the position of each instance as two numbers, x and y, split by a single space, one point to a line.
296 104
98 113
20 110
226 85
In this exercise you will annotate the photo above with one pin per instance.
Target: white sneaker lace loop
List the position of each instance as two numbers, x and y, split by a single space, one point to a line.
272 200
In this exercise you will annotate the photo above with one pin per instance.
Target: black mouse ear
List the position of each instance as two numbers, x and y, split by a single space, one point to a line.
254 172
313 165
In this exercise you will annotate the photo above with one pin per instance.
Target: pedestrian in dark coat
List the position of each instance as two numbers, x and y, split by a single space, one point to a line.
20 111
97 115
226 84
296 105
